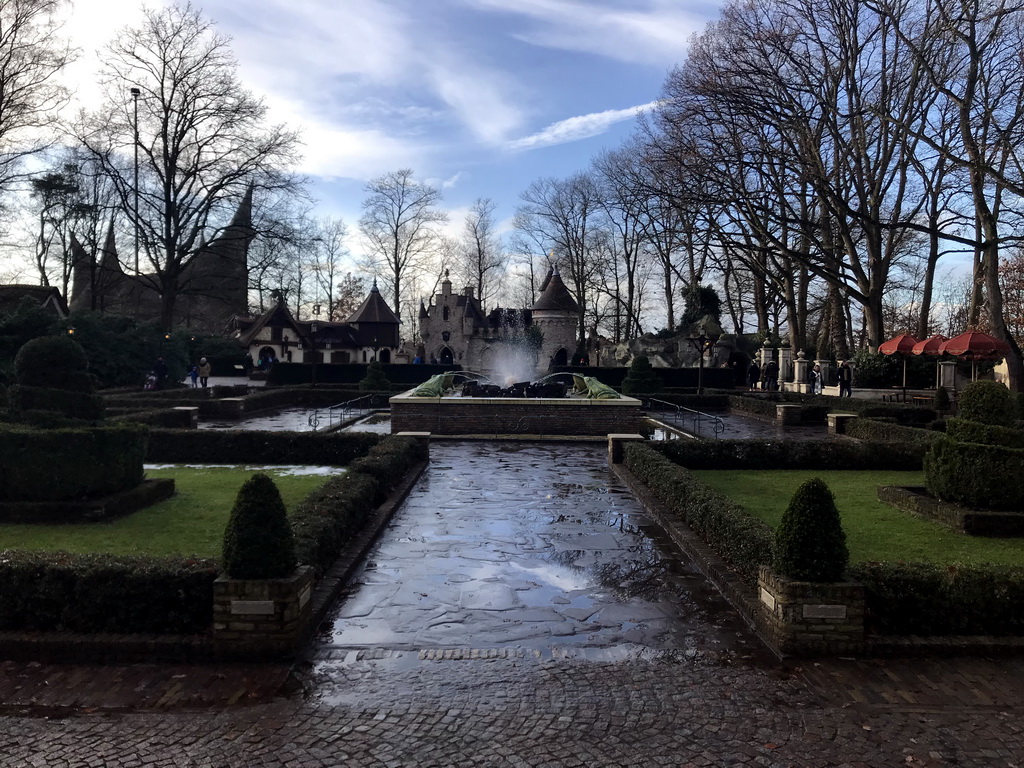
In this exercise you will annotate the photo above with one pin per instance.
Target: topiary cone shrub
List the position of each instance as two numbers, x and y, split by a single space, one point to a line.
258 541
941 402
810 544
988 402
375 380
641 378
52 375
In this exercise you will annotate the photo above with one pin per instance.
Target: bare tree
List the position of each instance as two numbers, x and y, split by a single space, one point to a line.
482 257
329 255
400 224
202 139
32 55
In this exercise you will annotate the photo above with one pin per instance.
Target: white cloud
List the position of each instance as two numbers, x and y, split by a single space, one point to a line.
652 32
576 128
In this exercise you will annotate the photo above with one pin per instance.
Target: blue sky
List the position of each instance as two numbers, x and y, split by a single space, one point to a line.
478 97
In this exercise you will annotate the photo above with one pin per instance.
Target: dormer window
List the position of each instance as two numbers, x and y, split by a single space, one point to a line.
444 313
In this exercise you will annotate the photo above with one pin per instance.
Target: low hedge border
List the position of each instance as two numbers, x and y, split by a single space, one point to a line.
888 432
987 434
97 510
793 454
976 522
903 599
743 541
215 446
66 593
975 474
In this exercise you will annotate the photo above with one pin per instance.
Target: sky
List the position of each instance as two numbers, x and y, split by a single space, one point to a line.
478 97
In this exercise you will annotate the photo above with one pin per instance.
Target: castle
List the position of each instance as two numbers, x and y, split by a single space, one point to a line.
212 288
516 344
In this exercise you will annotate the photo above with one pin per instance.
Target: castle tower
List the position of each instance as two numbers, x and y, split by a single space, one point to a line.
556 315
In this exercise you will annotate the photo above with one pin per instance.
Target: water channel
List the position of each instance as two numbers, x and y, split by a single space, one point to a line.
529 545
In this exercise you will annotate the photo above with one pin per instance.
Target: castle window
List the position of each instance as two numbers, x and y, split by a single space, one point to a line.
444 314
446 335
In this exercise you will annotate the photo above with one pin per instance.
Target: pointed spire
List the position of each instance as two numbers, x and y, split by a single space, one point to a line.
423 311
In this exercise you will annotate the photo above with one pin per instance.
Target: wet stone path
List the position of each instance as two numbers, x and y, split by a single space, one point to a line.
530 546
519 613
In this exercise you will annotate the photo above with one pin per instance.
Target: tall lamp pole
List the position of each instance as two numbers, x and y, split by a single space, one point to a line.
702 344
135 215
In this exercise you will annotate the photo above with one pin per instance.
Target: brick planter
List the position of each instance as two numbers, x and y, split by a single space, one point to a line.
262 619
800 618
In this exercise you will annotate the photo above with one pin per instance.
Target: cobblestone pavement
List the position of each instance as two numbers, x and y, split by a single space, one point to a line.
562 704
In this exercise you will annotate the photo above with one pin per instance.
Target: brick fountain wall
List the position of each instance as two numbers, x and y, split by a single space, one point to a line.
511 416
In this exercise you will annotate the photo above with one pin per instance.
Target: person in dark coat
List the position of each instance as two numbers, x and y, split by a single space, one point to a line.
160 372
845 374
771 376
753 374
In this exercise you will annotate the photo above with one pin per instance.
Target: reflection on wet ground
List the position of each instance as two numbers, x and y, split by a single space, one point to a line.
285 420
737 426
527 545
378 423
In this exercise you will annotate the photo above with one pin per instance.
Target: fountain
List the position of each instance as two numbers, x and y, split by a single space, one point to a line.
542 407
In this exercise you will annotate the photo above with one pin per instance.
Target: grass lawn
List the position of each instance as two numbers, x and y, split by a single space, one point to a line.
189 523
874 531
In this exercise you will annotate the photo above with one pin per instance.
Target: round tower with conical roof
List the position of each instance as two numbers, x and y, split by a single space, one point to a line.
556 315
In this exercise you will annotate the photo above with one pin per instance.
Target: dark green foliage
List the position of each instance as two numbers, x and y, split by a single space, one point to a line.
810 544
55 464
885 431
739 538
22 324
326 520
875 370
793 454
925 599
977 475
976 432
258 541
698 301
44 591
641 378
336 449
988 402
57 362
375 380
941 403
28 404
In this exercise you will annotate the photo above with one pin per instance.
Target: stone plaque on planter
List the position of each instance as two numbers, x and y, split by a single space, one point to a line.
262 619
824 611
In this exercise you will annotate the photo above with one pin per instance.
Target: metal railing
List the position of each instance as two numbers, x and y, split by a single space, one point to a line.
334 416
677 415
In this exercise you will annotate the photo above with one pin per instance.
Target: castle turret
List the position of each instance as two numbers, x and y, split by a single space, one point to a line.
556 315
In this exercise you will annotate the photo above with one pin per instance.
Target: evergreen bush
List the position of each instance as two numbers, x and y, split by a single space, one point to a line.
988 402
641 378
258 541
375 380
941 403
52 375
810 544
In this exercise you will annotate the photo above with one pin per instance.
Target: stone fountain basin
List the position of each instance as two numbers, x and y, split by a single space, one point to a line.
514 415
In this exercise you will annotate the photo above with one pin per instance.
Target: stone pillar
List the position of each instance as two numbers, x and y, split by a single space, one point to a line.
837 422
802 367
764 354
616 443
785 365
186 416
262 619
231 407
787 415
799 618
947 375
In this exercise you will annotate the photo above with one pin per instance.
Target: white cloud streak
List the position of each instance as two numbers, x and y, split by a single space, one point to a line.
577 128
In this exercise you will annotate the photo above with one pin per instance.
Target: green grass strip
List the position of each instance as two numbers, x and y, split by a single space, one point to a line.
875 531
191 523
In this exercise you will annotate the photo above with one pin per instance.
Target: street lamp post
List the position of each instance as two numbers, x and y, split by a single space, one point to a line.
135 213
313 328
702 344
375 347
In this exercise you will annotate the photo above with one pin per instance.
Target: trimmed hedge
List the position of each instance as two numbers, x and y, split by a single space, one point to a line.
73 405
810 544
793 454
739 538
987 434
56 464
926 599
47 591
978 475
325 521
258 541
215 446
888 432
988 402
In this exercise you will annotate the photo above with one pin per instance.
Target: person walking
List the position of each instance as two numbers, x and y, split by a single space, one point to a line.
160 373
815 378
845 379
771 376
753 375
204 371
193 375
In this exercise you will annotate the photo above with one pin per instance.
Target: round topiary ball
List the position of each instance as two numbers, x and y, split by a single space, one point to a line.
988 402
810 544
258 541
54 362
